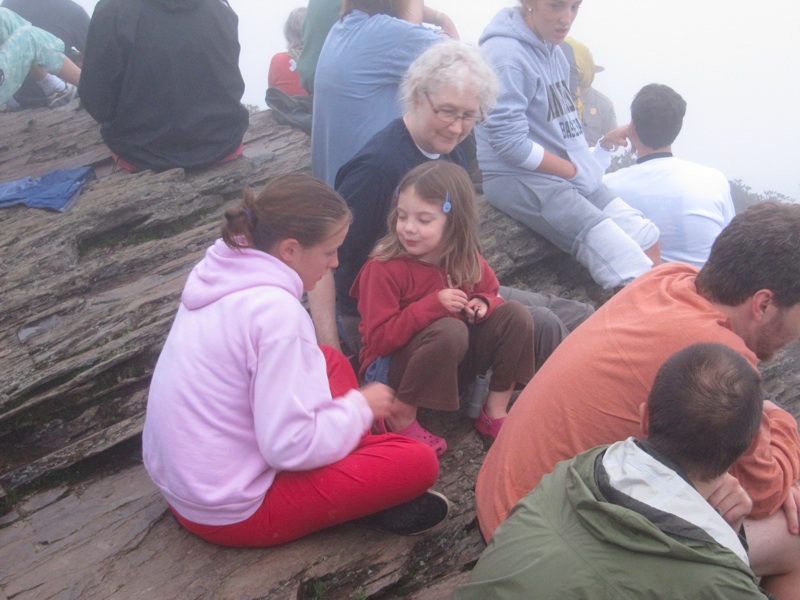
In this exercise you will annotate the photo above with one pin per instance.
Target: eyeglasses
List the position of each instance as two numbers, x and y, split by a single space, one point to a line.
450 116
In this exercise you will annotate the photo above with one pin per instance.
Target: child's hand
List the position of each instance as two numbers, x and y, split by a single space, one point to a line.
380 398
476 310
453 300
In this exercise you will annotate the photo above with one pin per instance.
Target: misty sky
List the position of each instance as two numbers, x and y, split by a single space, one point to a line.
731 60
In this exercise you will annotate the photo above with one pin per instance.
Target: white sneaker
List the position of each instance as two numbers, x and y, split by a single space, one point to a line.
63 97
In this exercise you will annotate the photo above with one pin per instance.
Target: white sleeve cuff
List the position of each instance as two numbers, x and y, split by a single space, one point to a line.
534 158
602 155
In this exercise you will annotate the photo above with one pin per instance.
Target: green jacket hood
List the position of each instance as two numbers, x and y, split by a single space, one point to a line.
565 540
620 526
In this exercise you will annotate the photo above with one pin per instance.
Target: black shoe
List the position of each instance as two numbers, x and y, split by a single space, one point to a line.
412 518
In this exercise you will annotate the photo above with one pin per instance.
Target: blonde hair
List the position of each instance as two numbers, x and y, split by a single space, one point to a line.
293 32
434 182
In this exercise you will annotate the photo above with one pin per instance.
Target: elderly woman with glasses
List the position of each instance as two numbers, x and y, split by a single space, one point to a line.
536 164
446 91
360 68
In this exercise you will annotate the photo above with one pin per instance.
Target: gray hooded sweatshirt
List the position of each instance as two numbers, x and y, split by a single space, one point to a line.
535 111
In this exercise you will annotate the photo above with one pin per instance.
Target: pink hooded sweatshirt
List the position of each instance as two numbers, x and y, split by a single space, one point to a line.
240 391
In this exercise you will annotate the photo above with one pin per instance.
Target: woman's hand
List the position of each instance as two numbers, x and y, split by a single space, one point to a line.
380 398
476 310
589 179
453 300
555 165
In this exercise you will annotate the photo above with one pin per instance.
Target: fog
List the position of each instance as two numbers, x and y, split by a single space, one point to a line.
731 60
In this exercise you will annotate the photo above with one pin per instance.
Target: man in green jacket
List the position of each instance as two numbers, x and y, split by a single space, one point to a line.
632 520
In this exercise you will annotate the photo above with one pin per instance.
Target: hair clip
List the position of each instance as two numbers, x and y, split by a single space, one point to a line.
447 207
249 215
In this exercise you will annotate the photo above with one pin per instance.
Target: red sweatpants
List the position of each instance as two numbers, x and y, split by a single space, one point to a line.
383 471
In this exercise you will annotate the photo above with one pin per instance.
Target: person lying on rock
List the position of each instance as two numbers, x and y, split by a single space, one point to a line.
254 434
69 22
25 49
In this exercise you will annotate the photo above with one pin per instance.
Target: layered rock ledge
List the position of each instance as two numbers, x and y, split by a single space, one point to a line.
88 298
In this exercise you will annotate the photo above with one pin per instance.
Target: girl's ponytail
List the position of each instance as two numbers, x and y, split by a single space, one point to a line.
290 206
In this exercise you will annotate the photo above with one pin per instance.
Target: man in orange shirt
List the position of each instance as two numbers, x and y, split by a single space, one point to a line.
747 297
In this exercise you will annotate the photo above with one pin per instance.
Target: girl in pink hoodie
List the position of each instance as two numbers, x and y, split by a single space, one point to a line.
254 434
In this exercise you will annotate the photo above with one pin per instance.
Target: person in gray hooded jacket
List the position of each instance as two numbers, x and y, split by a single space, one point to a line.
536 164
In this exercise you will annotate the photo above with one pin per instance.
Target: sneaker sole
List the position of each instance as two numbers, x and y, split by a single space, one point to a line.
63 98
411 518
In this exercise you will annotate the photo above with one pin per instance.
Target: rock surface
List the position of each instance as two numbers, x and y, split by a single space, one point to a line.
88 297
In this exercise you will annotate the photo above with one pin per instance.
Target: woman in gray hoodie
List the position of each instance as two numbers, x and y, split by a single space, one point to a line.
536 164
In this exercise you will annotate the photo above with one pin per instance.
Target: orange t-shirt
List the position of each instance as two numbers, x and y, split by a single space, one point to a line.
589 391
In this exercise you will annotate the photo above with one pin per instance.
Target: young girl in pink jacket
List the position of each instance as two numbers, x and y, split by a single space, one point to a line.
254 434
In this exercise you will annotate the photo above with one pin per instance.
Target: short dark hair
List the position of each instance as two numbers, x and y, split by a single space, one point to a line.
705 408
657 113
759 249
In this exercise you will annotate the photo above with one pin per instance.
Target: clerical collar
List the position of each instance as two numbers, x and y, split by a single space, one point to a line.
428 155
